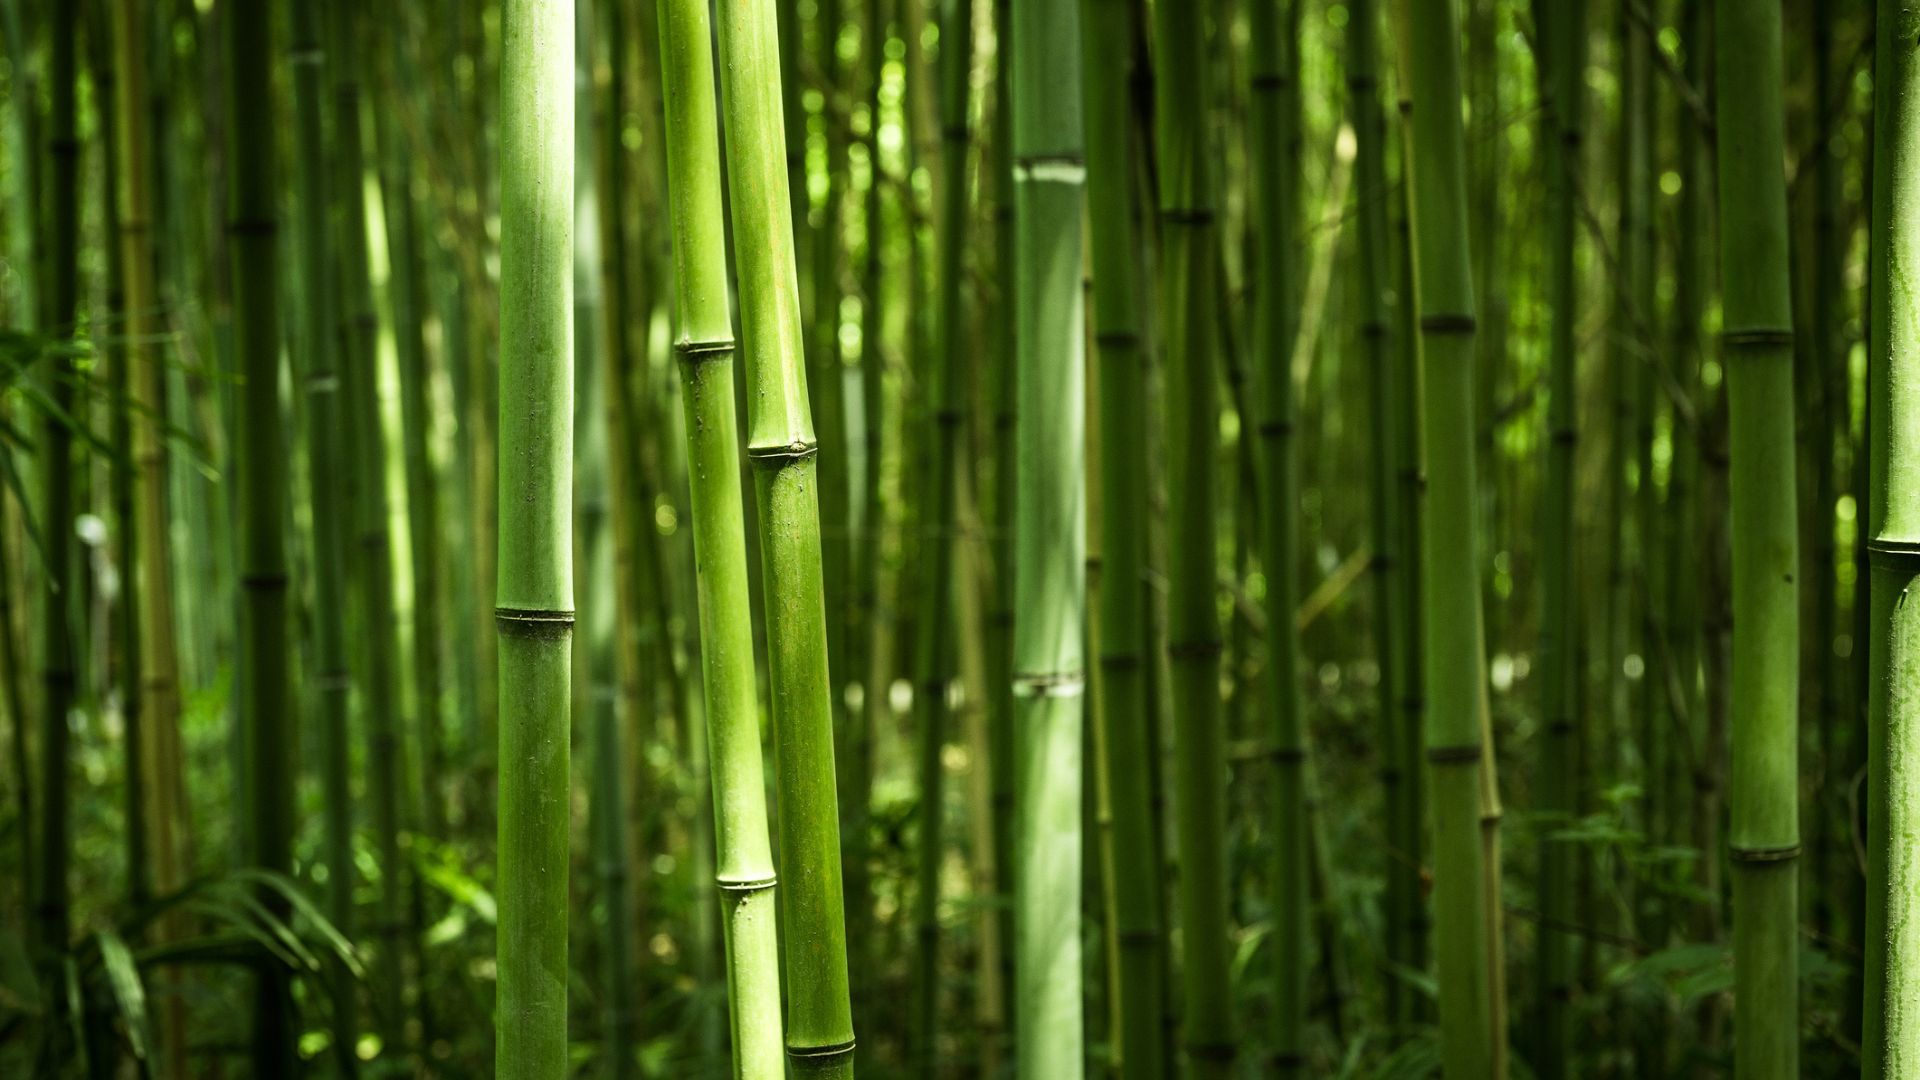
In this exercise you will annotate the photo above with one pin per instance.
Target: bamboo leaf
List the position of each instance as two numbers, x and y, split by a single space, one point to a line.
129 993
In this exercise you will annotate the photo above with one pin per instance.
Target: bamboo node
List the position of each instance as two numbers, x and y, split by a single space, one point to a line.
744 885
1894 554
1756 337
1274 429
1062 684
779 456
697 352
830 1050
1051 169
1187 215
1447 323
1763 854
253 227
1187 650
1210 1051
265 579
1117 339
1453 755
533 622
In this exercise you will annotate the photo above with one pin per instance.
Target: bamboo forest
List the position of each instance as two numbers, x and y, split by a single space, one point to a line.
936 539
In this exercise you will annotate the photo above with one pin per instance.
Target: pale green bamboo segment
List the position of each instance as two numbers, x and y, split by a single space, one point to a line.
1049 537
1764 837
534 591
704 344
1274 130
1890 1041
783 450
1471 1045
1137 885
1564 31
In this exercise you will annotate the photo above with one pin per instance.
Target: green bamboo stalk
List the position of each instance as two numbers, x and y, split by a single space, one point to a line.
704 344
1764 841
159 670
1408 829
61 301
262 464
1273 139
1472 1042
1391 613
316 364
1188 270
1563 53
407 290
534 598
1135 889
824 364
784 453
945 391
1890 1036
999 645
597 678
366 485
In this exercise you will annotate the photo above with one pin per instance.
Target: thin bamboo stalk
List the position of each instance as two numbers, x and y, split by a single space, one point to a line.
1137 925
1187 282
316 364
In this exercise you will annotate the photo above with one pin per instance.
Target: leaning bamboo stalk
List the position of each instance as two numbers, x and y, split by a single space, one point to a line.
784 453
744 870
1764 828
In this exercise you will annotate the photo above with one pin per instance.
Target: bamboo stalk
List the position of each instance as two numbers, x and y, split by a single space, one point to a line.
316 363
534 597
1458 745
1188 270
1136 918
784 452
1564 33
744 870
262 464
1764 837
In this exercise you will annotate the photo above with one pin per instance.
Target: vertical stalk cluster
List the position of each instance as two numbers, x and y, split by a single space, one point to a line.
784 454
534 593
1764 837
1049 535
